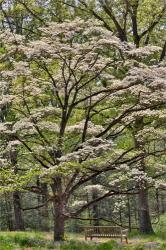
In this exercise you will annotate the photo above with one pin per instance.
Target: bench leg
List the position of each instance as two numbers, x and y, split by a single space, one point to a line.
91 238
85 237
121 239
126 240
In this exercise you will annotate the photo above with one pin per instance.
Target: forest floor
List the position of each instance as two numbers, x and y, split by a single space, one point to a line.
43 241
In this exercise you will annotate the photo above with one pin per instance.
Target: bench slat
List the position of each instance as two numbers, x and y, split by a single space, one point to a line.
105 231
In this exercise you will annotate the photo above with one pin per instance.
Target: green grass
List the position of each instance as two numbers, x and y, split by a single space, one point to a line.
23 240
112 245
76 245
40 241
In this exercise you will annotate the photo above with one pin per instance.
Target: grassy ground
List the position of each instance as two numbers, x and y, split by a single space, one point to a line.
42 241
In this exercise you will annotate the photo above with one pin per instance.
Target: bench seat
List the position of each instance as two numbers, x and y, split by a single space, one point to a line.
106 232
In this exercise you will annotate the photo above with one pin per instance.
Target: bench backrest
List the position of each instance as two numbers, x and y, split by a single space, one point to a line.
105 230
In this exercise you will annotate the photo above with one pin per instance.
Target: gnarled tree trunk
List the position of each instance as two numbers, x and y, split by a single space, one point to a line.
59 221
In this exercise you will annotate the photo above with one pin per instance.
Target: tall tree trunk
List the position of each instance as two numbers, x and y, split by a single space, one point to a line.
135 211
145 225
157 207
45 209
96 221
9 213
39 220
129 213
95 207
120 216
19 222
58 204
162 202
144 220
59 221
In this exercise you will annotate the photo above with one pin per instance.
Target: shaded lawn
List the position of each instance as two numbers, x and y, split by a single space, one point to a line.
43 241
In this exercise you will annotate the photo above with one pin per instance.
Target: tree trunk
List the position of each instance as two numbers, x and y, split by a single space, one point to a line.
19 222
58 203
59 222
95 210
129 213
43 214
45 209
95 207
144 219
120 217
162 202
9 213
96 215
145 225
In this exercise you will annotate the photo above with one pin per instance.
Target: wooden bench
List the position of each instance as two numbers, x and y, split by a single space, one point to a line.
106 232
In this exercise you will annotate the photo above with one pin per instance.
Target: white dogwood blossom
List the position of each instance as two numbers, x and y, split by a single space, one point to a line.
144 51
92 128
94 188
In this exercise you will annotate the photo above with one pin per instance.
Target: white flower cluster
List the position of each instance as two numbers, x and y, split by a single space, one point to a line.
6 128
92 148
3 87
97 188
38 114
140 177
13 144
151 133
131 175
3 162
38 48
160 168
50 126
144 51
47 173
11 38
2 128
21 68
119 205
160 184
123 167
92 128
23 124
33 90
78 204
6 99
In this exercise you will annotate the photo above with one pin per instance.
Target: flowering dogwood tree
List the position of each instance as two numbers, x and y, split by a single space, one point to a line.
72 95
